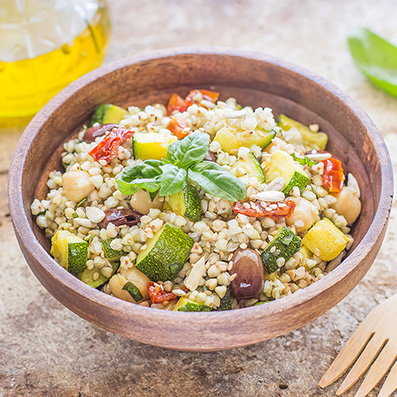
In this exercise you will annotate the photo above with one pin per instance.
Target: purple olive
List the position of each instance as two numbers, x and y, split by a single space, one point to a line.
120 217
94 132
210 157
248 267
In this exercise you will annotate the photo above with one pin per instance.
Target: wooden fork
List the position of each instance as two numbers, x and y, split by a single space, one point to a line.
373 344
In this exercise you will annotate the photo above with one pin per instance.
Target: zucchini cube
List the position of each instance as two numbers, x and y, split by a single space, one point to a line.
325 240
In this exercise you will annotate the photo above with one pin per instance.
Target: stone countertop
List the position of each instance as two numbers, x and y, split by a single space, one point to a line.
46 350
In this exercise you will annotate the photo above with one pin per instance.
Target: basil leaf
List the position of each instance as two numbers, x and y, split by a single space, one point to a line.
173 180
189 151
217 181
375 57
303 160
145 175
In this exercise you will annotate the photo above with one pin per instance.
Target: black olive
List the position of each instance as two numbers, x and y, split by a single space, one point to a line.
120 217
248 267
94 132
210 157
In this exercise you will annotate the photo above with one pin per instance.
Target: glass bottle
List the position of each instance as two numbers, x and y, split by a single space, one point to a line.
45 45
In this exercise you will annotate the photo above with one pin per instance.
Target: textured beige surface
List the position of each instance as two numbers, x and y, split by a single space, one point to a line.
47 350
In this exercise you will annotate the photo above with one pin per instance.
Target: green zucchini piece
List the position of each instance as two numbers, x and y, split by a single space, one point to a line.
226 301
108 114
285 244
111 254
165 254
133 290
282 164
87 276
312 140
188 305
70 251
186 203
251 166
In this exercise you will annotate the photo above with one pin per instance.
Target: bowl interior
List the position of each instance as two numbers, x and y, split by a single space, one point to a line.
254 80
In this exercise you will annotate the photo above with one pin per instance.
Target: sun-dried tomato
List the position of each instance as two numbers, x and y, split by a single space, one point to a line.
333 176
283 210
157 294
94 132
108 148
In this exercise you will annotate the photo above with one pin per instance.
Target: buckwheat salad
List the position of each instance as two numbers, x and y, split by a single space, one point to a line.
199 205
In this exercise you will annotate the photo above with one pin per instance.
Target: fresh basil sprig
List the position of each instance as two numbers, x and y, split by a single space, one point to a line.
217 181
375 57
145 175
185 159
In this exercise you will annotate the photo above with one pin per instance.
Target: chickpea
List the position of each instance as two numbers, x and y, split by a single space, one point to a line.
76 185
348 204
303 216
142 202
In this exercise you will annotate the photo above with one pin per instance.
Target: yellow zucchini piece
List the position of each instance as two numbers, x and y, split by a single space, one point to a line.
231 141
151 145
325 240
70 251
108 114
282 164
187 305
312 140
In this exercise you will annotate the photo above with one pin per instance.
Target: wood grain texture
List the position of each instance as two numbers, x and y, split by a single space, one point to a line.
372 346
253 79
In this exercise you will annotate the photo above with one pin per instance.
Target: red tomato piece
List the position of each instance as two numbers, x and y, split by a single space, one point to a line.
107 149
333 176
210 96
157 294
177 103
177 126
283 210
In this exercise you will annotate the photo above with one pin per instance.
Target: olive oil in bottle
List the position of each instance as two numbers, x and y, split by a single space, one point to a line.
44 46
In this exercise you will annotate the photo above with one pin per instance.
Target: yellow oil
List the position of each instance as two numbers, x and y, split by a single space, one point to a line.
27 84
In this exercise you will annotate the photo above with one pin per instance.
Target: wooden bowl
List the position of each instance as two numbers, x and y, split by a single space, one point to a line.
253 79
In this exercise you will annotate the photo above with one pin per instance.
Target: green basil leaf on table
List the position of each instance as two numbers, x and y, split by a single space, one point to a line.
217 181
189 151
173 179
375 57
145 175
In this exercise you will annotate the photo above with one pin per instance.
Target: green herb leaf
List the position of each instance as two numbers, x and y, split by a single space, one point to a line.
145 175
189 151
217 181
81 202
375 57
173 180
303 160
